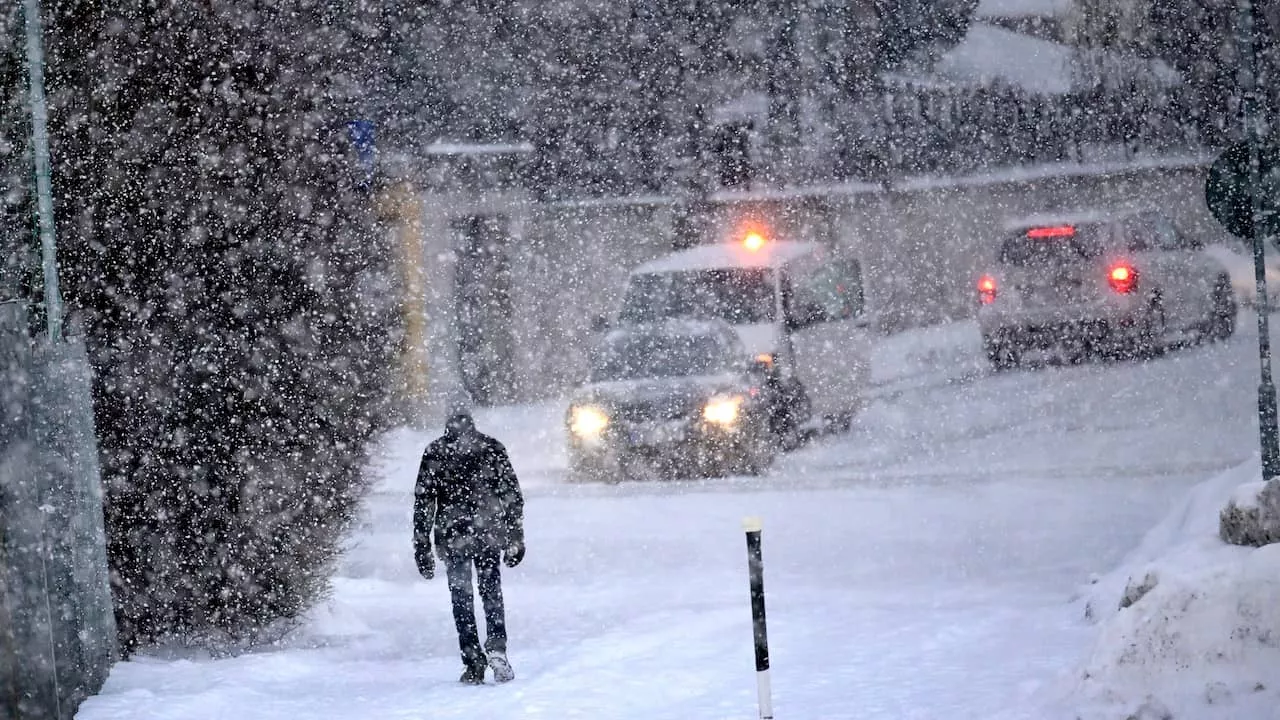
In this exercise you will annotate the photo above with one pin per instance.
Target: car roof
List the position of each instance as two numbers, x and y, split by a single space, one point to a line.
726 255
1077 217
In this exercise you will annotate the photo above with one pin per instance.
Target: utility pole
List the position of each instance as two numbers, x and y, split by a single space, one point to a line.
44 186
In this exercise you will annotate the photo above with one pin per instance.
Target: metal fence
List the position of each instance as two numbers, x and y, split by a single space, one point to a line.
57 629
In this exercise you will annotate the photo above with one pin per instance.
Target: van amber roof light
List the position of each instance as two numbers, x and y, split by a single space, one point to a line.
753 241
1052 232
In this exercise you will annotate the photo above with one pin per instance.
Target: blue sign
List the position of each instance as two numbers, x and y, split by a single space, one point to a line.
361 133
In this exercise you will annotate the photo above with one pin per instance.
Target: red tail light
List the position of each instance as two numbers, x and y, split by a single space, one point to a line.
1123 278
1052 232
986 289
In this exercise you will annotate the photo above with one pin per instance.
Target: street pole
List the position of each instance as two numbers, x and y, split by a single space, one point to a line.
1267 425
755 564
44 187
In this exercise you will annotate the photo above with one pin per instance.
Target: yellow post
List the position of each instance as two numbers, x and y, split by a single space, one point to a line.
401 207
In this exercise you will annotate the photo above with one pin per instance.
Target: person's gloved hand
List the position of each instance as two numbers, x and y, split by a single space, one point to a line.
426 561
514 553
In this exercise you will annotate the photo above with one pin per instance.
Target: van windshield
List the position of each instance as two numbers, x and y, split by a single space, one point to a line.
637 356
737 296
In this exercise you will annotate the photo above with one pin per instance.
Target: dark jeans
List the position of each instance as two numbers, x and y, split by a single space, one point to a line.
489 578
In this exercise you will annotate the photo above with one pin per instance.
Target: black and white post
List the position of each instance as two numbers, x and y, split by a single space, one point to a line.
755 565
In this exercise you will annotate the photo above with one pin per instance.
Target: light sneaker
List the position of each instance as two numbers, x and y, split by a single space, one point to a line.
502 671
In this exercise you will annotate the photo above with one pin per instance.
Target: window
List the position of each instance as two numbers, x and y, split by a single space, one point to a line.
1152 232
830 292
1166 235
1084 242
636 356
737 296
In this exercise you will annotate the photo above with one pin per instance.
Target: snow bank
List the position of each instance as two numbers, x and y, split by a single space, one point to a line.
1239 266
927 357
1189 625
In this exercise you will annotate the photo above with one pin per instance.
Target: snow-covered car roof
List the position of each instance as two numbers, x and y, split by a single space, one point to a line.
729 255
1076 217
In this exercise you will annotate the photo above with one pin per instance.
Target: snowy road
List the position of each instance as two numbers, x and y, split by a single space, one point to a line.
918 566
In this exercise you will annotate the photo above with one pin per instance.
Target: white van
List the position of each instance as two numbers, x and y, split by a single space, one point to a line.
798 307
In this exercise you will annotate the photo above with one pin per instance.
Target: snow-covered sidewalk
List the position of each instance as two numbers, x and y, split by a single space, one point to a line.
632 603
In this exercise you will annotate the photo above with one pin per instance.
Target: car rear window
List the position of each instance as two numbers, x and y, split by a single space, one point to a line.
1052 245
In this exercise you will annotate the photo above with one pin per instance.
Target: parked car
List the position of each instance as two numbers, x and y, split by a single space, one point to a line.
796 306
1119 285
675 397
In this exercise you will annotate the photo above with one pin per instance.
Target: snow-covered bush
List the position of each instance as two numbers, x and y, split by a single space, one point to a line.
216 234
1252 515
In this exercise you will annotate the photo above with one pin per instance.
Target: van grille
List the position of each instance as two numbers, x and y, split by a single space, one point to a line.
661 409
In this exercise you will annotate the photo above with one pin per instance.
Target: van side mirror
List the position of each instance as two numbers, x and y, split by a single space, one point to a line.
763 369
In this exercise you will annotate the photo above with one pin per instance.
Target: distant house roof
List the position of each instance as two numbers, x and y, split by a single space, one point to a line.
990 54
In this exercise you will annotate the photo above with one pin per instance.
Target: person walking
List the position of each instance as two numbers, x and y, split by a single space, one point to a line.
468 502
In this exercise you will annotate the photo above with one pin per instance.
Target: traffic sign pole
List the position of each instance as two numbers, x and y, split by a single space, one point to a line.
1267 422
44 186
1269 434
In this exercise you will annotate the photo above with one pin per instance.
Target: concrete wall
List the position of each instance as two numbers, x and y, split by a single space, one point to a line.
923 244
57 628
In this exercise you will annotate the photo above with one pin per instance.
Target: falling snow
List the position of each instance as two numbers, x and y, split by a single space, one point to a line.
933 288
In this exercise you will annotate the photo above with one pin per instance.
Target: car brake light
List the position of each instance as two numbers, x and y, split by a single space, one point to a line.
753 241
1123 278
986 290
1052 232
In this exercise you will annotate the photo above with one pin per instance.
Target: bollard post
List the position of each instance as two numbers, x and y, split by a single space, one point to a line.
755 566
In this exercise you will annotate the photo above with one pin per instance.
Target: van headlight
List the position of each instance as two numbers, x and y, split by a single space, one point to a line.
587 421
723 410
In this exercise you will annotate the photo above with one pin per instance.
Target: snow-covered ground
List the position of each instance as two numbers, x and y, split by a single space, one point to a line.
926 564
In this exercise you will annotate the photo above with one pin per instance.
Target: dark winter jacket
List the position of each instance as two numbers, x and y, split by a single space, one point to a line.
468 494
